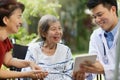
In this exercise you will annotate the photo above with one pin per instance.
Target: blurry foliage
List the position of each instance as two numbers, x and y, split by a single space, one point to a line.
77 24
119 8
22 36
37 8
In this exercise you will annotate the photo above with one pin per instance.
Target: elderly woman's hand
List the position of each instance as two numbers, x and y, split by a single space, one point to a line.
36 74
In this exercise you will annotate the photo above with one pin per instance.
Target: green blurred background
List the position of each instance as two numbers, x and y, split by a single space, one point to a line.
74 17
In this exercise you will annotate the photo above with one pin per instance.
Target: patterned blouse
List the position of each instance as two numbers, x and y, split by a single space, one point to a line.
59 65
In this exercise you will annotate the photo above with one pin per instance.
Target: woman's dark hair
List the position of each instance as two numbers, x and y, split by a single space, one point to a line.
106 3
7 7
44 24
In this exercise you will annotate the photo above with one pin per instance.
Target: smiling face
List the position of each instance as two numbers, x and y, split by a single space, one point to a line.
104 17
54 33
14 21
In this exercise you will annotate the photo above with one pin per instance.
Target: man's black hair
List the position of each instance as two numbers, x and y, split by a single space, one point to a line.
106 3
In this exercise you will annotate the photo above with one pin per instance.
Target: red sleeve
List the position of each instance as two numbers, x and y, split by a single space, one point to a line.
5 46
9 45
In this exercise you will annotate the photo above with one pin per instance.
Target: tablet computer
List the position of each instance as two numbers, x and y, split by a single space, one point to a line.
81 58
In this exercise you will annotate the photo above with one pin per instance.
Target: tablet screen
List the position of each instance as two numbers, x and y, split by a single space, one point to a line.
81 58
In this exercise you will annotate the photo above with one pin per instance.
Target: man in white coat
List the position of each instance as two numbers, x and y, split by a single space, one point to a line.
103 40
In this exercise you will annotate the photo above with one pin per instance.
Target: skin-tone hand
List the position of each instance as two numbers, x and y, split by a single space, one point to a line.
88 67
37 74
79 75
92 68
40 75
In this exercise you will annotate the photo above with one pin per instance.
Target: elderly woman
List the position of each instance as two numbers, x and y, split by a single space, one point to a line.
49 54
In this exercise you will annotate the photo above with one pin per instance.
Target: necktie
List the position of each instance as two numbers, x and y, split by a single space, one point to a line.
109 37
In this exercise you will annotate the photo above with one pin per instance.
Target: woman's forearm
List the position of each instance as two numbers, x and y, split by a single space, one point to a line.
12 74
19 63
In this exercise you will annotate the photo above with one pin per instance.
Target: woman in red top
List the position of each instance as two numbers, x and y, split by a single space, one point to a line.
10 21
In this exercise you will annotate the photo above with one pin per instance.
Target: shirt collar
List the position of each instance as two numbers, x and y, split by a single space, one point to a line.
114 31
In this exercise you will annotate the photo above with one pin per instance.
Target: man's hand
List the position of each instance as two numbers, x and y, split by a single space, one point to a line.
79 75
89 67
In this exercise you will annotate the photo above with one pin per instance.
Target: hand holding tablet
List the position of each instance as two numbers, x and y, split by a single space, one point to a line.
82 58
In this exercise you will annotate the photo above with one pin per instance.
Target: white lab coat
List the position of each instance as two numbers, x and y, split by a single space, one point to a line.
96 47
